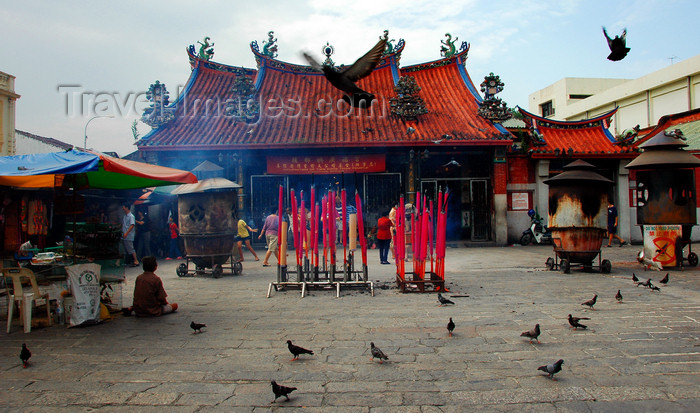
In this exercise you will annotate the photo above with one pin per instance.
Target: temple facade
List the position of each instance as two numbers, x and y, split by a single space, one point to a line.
428 129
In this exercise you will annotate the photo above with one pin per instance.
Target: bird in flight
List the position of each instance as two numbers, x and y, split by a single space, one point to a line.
618 46
345 78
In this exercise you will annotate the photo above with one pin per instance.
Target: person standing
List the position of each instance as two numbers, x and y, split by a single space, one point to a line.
244 236
271 230
612 225
128 233
174 235
143 234
392 244
384 227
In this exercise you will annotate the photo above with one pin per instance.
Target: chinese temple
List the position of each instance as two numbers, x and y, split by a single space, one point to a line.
552 144
284 124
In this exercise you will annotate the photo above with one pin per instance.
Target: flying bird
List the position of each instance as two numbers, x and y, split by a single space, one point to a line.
443 301
618 46
532 334
574 322
618 296
345 78
377 353
664 280
450 326
590 303
197 327
552 369
296 350
280 390
634 278
24 355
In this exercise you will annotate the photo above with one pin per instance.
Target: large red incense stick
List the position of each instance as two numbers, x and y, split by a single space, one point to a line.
361 227
280 211
304 242
295 226
331 224
312 223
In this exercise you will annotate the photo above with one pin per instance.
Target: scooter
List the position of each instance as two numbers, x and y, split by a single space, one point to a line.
538 232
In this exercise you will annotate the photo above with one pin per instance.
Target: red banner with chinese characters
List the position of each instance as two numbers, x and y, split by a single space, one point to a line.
333 164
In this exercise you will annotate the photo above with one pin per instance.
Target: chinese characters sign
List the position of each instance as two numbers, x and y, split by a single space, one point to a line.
299 165
660 244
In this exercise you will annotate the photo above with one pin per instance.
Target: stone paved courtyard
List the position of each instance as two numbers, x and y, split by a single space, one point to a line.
641 355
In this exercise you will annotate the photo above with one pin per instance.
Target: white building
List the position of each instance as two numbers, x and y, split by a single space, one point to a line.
28 143
642 101
7 114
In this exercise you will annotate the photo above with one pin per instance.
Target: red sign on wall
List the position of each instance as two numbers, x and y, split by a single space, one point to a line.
301 165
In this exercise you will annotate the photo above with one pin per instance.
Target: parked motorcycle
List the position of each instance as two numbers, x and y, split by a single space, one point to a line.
538 232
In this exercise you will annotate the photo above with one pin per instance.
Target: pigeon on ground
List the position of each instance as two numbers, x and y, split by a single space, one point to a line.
634 278
574 321
664 280
377 353
296 350
532 334
618 296
618 46
345 78
450 326
646 283
24 355
280 390
197 327
655 288
443 301
590 303
552 369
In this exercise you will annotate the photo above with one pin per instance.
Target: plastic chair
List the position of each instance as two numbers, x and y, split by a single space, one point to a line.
23 300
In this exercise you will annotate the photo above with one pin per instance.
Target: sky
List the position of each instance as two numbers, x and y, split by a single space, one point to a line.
76 59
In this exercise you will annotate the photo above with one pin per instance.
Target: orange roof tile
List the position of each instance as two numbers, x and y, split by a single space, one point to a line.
582 138
299 108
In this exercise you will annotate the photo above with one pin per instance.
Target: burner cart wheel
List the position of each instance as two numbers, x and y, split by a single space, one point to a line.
182 270
564 266
237 268
217 271
693 259
605 266
526 239
549 263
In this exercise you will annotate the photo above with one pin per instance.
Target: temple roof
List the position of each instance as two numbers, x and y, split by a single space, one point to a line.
688 122
294 109
580 139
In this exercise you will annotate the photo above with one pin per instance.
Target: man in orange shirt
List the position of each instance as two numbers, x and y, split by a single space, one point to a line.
150 299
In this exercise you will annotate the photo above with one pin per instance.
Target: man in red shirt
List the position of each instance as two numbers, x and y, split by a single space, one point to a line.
384 226
149 295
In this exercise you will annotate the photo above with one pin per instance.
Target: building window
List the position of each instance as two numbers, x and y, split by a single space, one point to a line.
578 96
547 109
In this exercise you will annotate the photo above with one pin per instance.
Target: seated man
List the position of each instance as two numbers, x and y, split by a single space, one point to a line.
149 295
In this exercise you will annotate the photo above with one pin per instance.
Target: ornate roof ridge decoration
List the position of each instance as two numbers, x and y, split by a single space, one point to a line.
158 113
262 59
407 105
206 50
458 57
668 121
492 107
628 136
448 48
245 106
600 120
219 67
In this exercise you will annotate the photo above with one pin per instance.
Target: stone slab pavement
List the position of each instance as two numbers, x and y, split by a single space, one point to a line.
641 355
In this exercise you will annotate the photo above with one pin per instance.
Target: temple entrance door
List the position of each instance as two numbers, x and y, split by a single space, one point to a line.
480 210
381 192
264 195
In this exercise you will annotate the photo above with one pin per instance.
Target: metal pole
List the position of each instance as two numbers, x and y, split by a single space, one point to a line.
86 126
